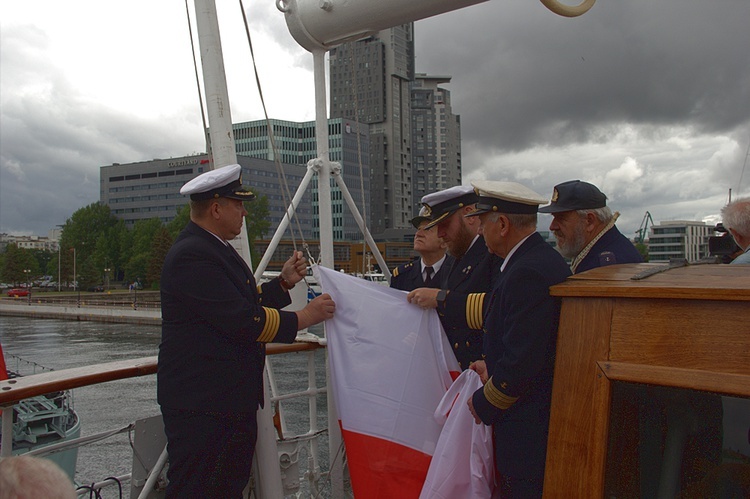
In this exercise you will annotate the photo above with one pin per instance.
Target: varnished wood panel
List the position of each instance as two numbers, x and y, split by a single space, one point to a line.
695 282
689 334
686 327
575 468
735 385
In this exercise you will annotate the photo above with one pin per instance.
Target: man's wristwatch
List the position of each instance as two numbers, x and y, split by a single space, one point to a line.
442 294
284 283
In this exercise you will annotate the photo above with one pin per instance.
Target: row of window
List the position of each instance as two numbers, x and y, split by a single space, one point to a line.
259 130
137 199
146 187
164 173
146 209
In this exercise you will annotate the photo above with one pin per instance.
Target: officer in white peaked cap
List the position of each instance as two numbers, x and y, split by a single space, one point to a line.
224 182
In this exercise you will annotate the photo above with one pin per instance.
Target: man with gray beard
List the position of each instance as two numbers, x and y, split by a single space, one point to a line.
584 227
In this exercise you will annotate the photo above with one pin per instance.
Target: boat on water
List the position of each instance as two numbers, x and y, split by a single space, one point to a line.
39 423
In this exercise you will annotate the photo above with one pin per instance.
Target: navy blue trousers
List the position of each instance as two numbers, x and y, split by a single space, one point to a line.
210 453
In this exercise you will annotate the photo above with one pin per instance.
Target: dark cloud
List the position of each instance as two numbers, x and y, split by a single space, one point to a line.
54 137
547 80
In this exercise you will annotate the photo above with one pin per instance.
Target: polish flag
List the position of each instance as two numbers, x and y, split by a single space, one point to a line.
390 366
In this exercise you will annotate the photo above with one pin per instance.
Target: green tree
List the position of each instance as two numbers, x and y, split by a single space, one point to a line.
140 245
179 222
257 224
42 258
79 243
159 248
643 250
89 274
17 260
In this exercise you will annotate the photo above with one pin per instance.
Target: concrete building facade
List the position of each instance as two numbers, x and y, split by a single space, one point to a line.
436 136
48 243
676 239
296 144
415 139
151 189
370 81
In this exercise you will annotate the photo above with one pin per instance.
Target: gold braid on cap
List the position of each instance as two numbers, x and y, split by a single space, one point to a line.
585 251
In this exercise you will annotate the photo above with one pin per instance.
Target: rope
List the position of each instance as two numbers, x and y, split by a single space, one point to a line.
198 85
335 459
285 192
286 195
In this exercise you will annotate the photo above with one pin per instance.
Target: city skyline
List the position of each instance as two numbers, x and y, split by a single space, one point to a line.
647 100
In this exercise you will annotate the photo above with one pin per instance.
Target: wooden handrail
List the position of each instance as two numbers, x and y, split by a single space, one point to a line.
732 384
16 389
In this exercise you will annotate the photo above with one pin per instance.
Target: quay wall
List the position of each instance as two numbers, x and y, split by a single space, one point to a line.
151 317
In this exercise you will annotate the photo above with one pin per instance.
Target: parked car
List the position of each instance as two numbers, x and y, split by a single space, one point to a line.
97 289
18 292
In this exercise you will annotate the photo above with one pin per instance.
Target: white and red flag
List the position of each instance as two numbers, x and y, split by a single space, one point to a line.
390 366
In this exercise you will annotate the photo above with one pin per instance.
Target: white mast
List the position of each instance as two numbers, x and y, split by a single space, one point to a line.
222 151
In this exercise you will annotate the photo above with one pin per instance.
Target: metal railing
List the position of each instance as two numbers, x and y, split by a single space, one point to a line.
14 391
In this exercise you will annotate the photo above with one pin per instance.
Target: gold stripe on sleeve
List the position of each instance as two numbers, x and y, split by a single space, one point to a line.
474 313
496 397
271 327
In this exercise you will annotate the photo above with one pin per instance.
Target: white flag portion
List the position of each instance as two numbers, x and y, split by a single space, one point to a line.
463 463
390 366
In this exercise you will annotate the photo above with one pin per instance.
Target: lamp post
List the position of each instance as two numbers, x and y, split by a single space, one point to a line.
58 260
106 278
75 280
28 285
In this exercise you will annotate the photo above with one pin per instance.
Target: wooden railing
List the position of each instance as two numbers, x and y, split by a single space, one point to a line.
16 389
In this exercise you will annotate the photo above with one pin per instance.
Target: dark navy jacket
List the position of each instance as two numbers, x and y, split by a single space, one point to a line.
408 276
519 344
612 248
469 282
215 323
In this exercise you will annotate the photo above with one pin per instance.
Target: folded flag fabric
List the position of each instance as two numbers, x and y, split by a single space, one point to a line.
390 366
463 463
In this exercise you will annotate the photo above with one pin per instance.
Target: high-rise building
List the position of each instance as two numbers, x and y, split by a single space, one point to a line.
295 143
677 239
370 81
436 138
415 139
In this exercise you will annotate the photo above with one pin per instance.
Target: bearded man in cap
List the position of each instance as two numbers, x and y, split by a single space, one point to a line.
584 227
460 300
431 266
215 325
520 335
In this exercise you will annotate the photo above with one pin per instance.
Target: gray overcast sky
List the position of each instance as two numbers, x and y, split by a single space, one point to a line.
650 100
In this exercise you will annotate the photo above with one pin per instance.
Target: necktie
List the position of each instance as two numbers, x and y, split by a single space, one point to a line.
428 275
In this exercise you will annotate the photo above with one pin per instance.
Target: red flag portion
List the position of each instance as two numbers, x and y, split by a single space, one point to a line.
390 367
3 368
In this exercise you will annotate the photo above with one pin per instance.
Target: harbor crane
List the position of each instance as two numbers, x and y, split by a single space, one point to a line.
643 229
